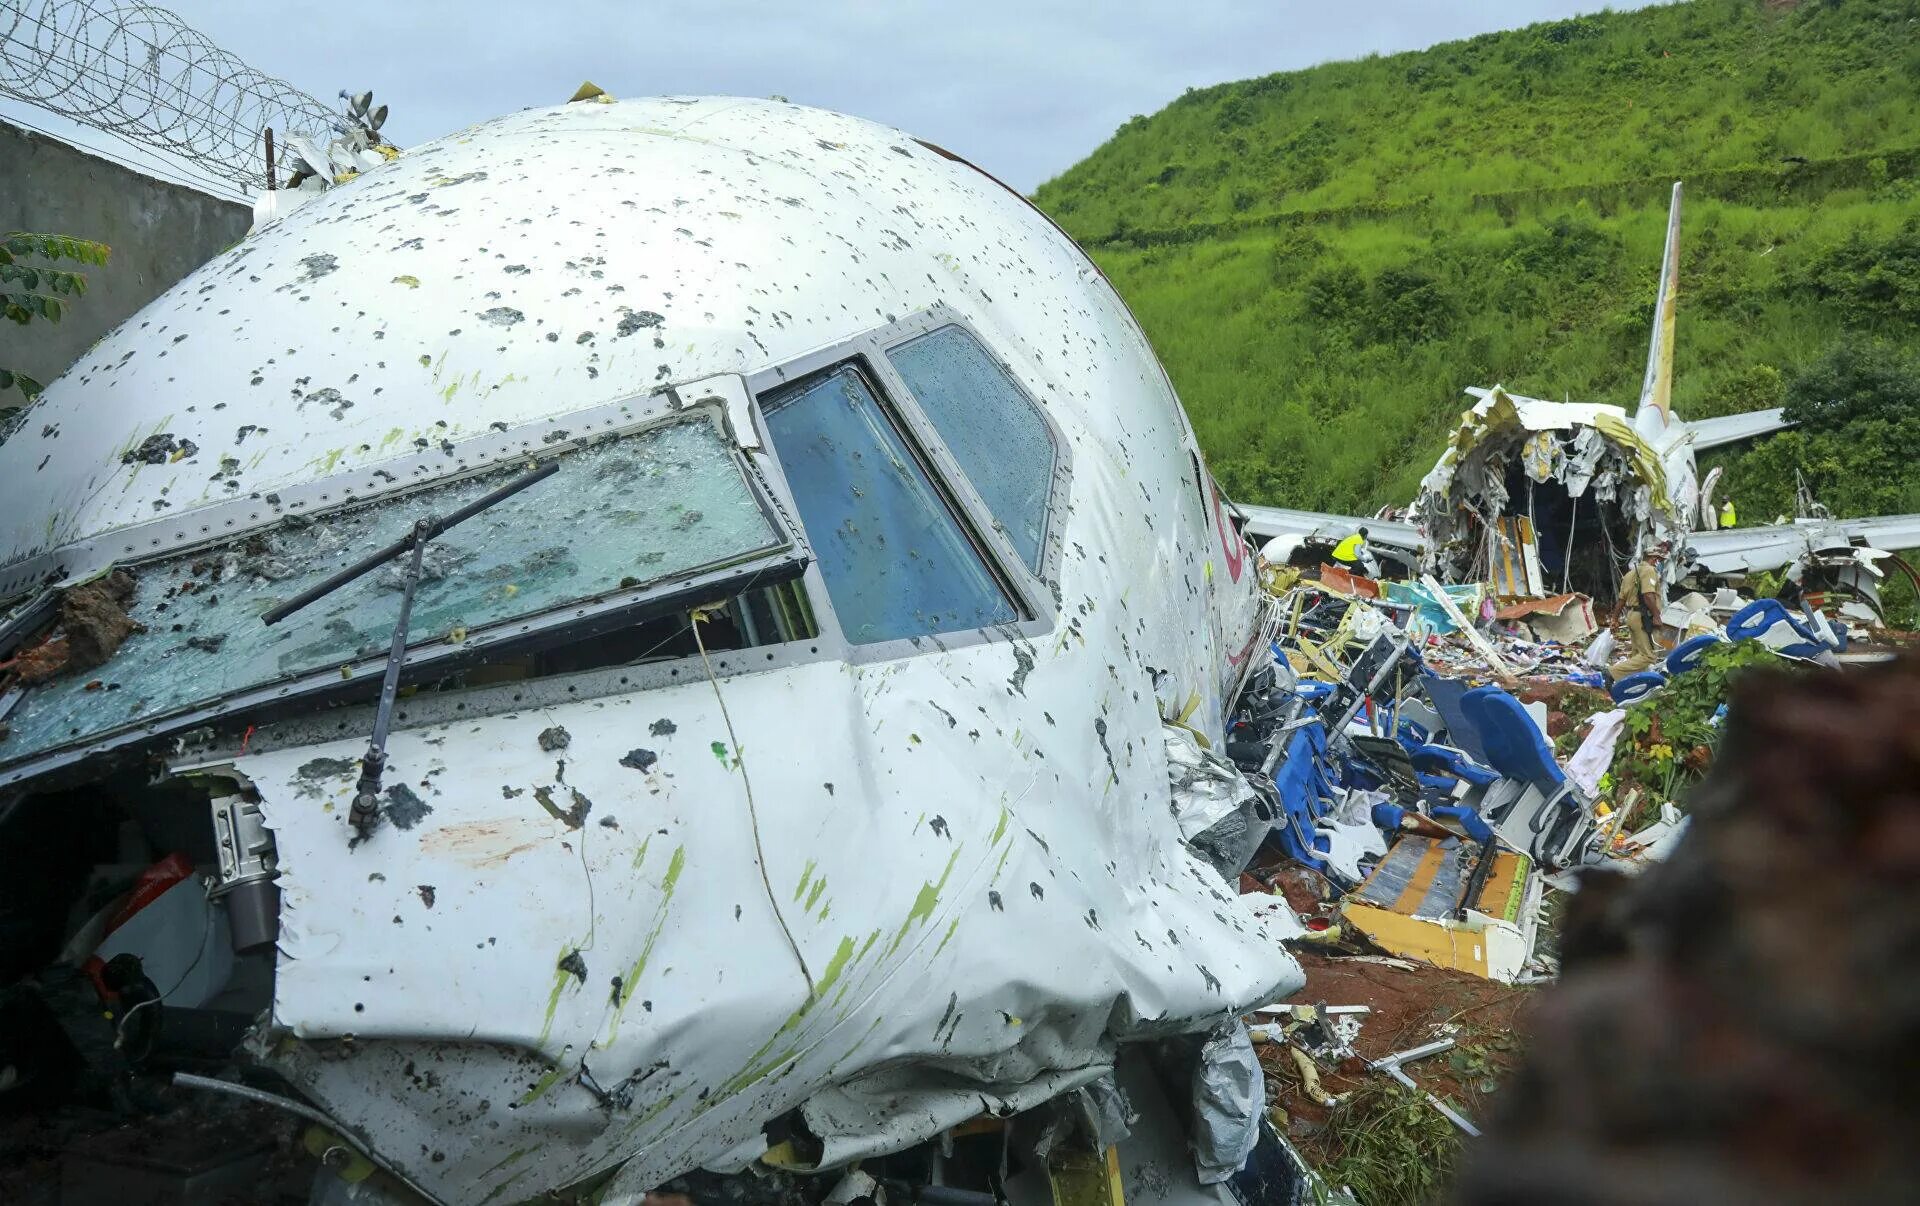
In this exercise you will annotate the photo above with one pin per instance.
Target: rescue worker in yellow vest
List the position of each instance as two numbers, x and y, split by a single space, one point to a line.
1639 598
1728 517
1353 555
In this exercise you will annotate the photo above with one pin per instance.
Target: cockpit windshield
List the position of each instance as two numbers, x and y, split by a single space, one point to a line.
647 510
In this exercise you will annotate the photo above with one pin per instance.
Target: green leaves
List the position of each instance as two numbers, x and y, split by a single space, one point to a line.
53 280
27 386
1680 716
29 291
25 307
18 243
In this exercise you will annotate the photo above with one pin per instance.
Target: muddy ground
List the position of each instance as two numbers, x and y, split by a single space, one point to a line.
1410 1007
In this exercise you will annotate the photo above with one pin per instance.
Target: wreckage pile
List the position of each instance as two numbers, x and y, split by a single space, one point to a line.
1417 770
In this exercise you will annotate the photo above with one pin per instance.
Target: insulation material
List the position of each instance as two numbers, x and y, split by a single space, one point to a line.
1516 567
1430 614
1589 449
1206 788
1567 618
1229 1097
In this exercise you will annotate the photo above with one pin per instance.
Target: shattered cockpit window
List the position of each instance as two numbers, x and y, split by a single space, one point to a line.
654 506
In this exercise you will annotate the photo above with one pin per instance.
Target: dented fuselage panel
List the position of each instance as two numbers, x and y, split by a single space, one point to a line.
980 897
613 921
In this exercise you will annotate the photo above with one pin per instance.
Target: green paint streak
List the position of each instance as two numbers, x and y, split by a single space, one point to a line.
560 978
758 1065
674 866
453 387
866 946
546 1082
1000 830
391 436
513 1157
630 983
805 875
819 886
502 1187
640 855
951 927
841 956
652 1112
923 904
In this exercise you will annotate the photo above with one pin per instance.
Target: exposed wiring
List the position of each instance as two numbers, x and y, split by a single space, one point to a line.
188 1080
753 816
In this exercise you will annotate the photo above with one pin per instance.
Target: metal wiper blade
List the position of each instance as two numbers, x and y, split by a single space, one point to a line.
365 813
374 560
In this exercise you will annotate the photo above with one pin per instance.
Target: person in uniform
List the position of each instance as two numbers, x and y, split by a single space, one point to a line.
1639 598
1353 555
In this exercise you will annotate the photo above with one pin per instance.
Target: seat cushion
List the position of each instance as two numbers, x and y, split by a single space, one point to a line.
1687 654
1514 743
1638 686
1447 695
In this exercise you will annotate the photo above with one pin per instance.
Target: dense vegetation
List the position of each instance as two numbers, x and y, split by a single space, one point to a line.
1324 258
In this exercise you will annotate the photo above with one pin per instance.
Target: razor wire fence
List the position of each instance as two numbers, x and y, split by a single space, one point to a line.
140 72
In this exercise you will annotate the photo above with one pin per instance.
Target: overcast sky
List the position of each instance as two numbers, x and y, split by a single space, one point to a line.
1024 88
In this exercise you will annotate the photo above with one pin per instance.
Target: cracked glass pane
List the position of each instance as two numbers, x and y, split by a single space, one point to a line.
990 427
895 560
654 506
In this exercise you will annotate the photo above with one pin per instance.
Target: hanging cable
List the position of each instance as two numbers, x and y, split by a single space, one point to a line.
753 815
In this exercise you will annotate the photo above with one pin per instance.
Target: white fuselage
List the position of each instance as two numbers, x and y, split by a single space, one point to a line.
966 837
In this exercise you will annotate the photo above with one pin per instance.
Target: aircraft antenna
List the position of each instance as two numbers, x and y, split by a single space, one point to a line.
142 73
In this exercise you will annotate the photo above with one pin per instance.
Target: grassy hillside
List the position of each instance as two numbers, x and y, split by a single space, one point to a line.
1325 258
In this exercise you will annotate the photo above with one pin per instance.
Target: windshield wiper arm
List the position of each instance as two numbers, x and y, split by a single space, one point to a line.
374 560
365 813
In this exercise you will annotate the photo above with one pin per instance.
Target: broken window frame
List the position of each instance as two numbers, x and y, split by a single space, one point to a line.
732 402
1029 591
788 558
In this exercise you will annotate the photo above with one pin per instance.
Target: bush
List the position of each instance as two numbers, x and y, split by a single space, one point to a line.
1856 380
1873 280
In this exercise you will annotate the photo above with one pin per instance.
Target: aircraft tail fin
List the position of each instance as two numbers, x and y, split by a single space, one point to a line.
1656 390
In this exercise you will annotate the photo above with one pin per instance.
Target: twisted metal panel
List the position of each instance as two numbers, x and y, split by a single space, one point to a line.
141 72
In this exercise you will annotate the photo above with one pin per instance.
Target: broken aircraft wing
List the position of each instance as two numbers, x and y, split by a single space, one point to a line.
1737 550
1268 522
1731 429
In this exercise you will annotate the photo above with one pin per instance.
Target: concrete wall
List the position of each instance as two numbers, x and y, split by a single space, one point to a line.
159 232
